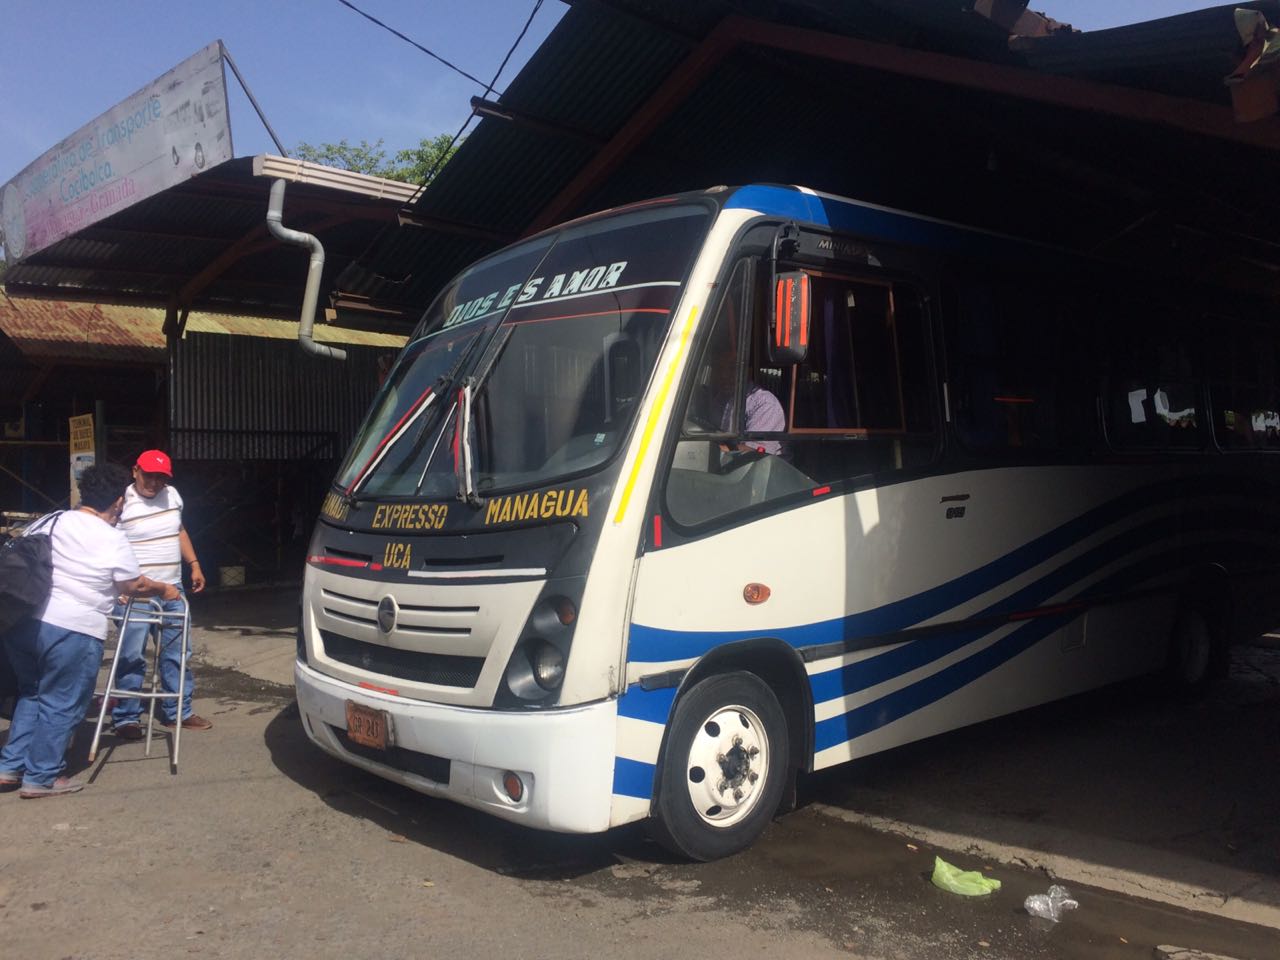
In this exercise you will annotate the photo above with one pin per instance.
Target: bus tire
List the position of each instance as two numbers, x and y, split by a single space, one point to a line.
724 767
1197 655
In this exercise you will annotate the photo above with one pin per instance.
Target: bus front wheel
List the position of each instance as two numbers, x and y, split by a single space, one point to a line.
724 767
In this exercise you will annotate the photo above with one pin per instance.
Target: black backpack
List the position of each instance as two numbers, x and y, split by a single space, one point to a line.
26 571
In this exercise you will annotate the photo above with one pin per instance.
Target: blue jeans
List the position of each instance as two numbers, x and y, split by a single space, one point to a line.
56 670
133 664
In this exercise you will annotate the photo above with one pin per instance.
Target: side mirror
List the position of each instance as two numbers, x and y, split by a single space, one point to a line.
789 322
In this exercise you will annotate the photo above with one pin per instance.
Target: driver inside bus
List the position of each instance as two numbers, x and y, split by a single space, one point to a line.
763 412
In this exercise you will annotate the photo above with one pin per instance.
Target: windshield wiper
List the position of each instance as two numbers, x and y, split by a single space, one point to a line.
439 388
462 445
402 426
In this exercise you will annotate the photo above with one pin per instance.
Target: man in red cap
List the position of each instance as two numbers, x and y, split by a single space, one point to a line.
152 521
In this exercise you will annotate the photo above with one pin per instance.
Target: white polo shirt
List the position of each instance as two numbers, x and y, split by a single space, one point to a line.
152 528
89 557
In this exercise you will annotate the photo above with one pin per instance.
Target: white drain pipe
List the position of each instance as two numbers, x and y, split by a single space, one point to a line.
275 215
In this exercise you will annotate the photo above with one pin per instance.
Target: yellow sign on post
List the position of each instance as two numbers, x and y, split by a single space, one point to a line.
82 452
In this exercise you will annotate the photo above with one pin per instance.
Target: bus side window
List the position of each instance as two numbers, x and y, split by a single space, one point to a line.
1021 369
862 401
1152 396
1244 385
730 456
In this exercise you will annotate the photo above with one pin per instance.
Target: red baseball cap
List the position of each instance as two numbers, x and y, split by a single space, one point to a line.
155 461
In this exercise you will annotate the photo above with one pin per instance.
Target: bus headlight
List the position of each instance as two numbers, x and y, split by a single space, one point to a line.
548 665
539 663
551 615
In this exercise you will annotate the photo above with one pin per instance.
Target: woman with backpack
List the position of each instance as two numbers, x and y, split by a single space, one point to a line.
56 653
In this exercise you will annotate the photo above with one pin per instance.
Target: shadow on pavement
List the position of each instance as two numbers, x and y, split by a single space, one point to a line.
248 610
1121 776
481 839
1196 780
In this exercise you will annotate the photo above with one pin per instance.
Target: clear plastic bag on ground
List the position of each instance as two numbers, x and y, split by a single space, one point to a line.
967 883
1052 905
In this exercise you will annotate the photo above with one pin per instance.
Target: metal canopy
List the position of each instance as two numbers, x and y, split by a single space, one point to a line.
203 244
1119 143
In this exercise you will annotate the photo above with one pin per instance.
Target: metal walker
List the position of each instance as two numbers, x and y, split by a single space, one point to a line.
153 614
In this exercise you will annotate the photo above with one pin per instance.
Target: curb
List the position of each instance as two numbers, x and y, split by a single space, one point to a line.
1215 890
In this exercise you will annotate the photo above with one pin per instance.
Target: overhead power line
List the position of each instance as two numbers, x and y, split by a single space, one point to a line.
430 53
503 65
488 88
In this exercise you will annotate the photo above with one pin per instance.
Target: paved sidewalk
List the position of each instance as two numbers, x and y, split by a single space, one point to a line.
252 630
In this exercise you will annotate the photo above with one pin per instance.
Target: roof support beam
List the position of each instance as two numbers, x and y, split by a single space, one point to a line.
498 111
252 239
680 83
734 32
410 219
112 293
255 194
81 270
1192 116
276 309
99 230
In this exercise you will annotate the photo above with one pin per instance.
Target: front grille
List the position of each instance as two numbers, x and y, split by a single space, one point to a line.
437 668
435 769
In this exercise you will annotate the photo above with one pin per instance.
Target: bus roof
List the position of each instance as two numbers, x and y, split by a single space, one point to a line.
873 221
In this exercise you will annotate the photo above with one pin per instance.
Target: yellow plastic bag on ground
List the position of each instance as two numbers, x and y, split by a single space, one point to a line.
967 883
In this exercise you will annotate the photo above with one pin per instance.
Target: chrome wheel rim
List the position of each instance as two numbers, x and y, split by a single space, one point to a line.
728 766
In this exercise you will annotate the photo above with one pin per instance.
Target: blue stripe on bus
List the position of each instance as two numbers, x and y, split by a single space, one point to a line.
843 680
631 778
872 716
894 706
658 644
914 654
652 705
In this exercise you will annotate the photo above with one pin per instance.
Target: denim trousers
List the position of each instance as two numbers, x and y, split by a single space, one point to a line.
56 670
133 663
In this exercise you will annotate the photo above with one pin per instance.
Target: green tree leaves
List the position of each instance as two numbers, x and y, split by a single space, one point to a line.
414 165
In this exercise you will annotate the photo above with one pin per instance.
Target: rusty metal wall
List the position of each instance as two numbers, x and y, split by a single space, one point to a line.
250 398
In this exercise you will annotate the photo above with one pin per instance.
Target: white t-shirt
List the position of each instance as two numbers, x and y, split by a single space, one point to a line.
152 528
89 556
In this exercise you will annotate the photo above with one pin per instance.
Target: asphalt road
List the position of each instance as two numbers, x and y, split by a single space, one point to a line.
263 847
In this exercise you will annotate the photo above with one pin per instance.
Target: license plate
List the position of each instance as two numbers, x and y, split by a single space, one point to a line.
366 726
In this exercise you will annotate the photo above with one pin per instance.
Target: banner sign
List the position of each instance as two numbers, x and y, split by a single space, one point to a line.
165 133
82 452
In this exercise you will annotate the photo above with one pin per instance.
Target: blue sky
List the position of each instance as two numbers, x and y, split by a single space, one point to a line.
320 71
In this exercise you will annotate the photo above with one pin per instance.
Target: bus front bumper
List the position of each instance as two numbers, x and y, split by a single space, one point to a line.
564 757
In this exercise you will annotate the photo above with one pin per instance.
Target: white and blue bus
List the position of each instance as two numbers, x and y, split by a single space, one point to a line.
662 506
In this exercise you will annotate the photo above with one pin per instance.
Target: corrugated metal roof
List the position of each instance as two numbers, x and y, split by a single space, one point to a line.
1107 142
1187 55
68 330
203 244
1042 151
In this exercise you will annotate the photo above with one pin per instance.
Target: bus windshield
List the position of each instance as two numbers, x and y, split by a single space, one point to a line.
555 339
